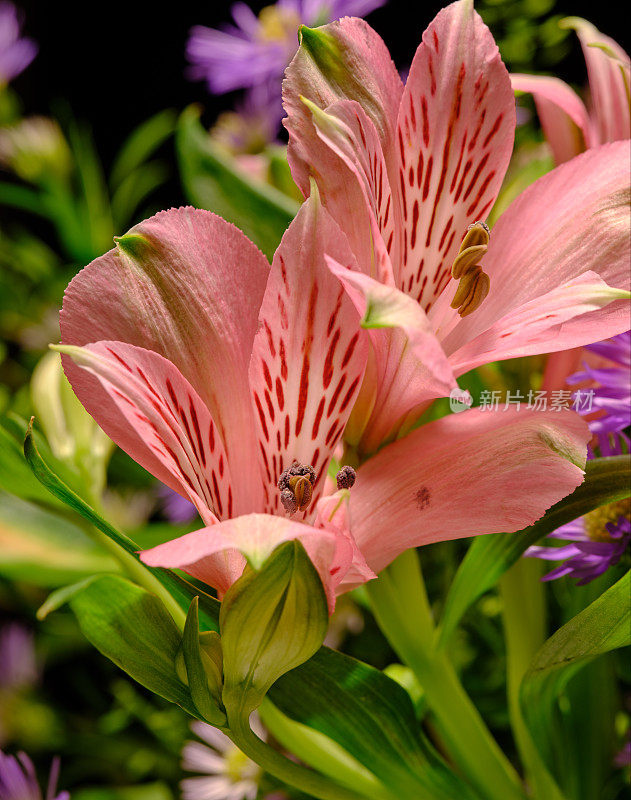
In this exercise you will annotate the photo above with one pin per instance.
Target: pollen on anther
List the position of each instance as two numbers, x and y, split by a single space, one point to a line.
345 478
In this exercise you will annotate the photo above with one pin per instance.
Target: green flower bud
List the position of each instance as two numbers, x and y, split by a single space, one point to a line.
73 436
272 620
35 150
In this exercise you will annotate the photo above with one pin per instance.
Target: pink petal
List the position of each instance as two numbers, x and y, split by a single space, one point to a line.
350 568
562 114
187 285
541 325
355 65
309 353
214 555
470 473
161 422
573 220
410 366
609 74
355 188
454 141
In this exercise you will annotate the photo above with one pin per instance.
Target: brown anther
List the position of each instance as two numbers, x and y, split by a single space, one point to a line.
474 283
303 491
289 501
345 478
296 487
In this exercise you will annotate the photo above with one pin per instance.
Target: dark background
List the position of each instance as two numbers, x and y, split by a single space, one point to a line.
116 63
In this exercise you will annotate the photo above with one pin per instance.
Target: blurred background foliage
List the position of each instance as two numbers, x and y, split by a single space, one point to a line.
88 140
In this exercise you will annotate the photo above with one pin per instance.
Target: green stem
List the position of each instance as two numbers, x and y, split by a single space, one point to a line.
401 607
138 573
305 780
524 616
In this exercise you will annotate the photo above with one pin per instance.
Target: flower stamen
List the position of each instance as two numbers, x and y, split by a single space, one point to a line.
345 478
296 487
474 283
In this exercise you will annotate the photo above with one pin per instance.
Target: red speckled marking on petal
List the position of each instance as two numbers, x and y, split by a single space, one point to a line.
318 350
466 105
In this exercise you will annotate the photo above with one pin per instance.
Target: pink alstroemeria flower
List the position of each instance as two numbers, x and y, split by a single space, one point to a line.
568 126
215 373
406 170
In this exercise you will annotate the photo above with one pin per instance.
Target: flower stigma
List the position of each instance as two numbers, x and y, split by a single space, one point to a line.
474 283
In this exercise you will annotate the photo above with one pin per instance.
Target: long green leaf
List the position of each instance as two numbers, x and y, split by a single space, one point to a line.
372 718
133 629
607 480
180 589
141 144
213 180
603 626
45 548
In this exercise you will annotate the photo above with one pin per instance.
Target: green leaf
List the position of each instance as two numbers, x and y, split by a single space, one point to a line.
45 549
203 673
213 180
603 626
607 480
132 628
15 476
181 591
134 188
322 753
372 718
141 144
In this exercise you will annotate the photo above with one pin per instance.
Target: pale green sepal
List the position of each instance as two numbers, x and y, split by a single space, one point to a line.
271 621
324 50
203 673
132 244
390 308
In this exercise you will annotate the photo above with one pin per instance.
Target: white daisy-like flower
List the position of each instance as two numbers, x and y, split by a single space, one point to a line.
226 772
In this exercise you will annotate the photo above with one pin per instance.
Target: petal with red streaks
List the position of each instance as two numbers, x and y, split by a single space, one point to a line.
187 285
163 423
454 140
410 366
309 354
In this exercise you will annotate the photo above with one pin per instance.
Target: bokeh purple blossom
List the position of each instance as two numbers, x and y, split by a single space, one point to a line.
19 782
16 51
599 540
256 49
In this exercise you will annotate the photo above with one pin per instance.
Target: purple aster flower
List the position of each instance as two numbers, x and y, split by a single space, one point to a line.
18 667
612 395
16 52
598 540
176 509
594 546
19 782
256 49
